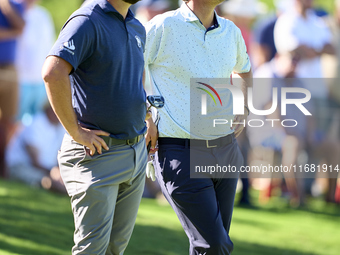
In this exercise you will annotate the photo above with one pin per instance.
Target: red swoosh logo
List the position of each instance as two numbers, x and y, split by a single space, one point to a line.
213 90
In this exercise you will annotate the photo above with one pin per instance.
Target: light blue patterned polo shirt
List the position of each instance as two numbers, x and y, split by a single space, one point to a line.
179 48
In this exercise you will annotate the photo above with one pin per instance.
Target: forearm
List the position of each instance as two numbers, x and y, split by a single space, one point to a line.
247 81
59 95
6 34
152 134
306 52
58 90
16 21
150 124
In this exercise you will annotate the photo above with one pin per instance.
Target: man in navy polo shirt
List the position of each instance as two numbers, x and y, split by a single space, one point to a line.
93 77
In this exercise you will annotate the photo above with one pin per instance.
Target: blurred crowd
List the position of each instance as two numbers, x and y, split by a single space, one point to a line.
295 45
30 133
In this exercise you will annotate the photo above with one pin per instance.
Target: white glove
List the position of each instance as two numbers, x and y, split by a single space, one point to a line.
150 171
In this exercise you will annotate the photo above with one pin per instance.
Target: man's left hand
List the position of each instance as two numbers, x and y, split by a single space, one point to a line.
151 134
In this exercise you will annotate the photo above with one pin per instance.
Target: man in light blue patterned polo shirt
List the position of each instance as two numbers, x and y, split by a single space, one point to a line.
194 42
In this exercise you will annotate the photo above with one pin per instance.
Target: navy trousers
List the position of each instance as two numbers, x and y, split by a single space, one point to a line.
204 206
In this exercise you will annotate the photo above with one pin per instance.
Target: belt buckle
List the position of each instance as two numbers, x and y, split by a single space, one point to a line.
208 146
130 141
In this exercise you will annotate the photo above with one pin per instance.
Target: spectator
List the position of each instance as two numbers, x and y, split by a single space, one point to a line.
263 48
11 26
148 9
32 153
33 46
288 142
303 32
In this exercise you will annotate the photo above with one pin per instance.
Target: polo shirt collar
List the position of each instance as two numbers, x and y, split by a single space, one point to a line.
189 15
107 7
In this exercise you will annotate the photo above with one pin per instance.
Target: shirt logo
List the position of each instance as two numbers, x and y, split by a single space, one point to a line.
70 45
139 41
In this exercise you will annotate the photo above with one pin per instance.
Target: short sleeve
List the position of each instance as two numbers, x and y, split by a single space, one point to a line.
284 37
76 41
242 61
153 40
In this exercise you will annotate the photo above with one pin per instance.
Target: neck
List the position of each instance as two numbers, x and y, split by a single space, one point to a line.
120 6
204 11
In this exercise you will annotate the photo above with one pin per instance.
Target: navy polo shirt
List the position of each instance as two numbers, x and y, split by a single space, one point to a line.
8 47
106 53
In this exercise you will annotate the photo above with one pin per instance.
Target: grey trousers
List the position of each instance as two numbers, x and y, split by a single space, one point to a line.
105 193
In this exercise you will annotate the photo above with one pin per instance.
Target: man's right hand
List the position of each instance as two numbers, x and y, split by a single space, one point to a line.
90 138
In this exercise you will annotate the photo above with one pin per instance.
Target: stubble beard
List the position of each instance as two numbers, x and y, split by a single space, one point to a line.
131 1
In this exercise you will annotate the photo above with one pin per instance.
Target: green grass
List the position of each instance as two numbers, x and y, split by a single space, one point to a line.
37 222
